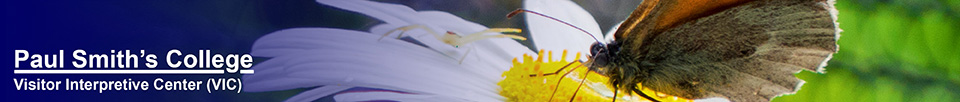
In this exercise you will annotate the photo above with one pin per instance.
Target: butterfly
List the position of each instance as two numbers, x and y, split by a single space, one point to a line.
742 50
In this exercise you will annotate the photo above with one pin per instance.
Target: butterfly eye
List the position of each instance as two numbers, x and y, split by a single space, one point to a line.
596 48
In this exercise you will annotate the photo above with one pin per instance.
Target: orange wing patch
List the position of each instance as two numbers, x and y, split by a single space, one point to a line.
681 11
664 14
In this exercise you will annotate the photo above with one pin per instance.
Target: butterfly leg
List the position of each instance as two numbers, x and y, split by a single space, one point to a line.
615 90
644 95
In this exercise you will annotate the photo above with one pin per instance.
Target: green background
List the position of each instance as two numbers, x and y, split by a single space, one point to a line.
891 51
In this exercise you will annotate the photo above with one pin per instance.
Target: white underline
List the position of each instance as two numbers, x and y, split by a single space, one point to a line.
92 71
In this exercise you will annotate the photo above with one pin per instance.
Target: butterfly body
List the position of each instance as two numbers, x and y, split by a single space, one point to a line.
736 49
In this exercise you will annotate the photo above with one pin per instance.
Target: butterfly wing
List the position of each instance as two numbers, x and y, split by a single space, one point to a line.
659 15
745 53
555 36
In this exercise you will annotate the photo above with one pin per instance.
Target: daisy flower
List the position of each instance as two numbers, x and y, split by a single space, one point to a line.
428 56
415 66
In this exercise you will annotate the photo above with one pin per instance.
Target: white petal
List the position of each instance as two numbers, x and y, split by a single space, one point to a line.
449 22
498 49
293 40
505 47
393 96
310 57
401 15
342 57
375 71
421 36
397 16
552 35
500 52
317 93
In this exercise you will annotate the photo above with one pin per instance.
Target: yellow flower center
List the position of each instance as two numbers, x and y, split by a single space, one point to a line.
534 80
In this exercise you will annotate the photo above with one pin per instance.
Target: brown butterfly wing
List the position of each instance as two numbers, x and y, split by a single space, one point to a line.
745 53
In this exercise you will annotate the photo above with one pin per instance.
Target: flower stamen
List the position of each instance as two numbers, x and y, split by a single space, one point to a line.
534 79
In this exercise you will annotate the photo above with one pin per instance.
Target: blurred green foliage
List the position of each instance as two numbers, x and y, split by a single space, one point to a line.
890 51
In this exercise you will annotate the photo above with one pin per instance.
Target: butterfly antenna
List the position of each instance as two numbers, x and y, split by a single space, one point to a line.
518 11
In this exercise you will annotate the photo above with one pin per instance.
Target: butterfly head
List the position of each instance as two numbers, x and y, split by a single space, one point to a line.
602 56
607 60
